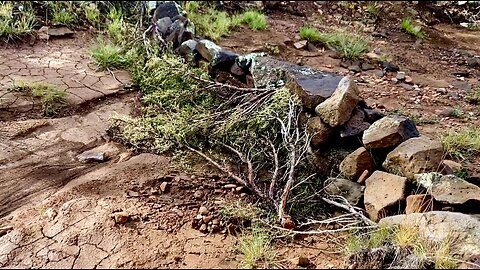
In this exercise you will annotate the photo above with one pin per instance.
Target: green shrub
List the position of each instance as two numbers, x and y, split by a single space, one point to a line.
51 98
254 19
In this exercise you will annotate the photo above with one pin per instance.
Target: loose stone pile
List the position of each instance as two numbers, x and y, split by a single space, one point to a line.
394 169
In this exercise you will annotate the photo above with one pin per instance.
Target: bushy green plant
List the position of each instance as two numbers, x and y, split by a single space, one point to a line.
309 33
210 23
116 25
92 13
256 248
254 19
51 97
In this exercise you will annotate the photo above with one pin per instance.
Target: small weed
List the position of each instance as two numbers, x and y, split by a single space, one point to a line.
473 96
354 243
463 173
379 236
408 240
347 4
463 144
256 248
349 46
405 236
457 112
108 55
309 33
51 98
474 26
273 49
385 58
417 119
409 27
254 19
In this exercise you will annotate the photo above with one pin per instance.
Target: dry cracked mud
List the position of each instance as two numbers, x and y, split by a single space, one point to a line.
58 212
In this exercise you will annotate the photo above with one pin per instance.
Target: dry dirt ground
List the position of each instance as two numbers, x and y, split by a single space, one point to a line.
61 209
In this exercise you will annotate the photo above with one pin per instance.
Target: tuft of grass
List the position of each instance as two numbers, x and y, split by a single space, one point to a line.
409 27
373 8
474 96
256 20
384 58
210 23
379 236
457 112
12 27
62 13
51 98
309 33
354 243
462 144
256 248
349 46
116 25
108 55
406 240
92 13
405 236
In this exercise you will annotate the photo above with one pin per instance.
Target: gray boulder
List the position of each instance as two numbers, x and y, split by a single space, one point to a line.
311 86
451 189
356 125
215 55
166 9
337 109
346 188
442 227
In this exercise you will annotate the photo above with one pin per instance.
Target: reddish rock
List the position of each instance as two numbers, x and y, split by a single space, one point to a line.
419 203
320 132
356 163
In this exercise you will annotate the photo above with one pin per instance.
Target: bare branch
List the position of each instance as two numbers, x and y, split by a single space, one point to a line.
346 206
222 168
275 172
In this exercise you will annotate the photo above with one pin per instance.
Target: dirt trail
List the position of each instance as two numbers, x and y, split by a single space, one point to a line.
60 208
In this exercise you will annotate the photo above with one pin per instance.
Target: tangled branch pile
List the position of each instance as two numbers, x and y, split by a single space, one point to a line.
258 129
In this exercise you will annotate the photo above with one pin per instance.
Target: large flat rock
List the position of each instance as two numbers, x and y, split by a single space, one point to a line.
312 86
